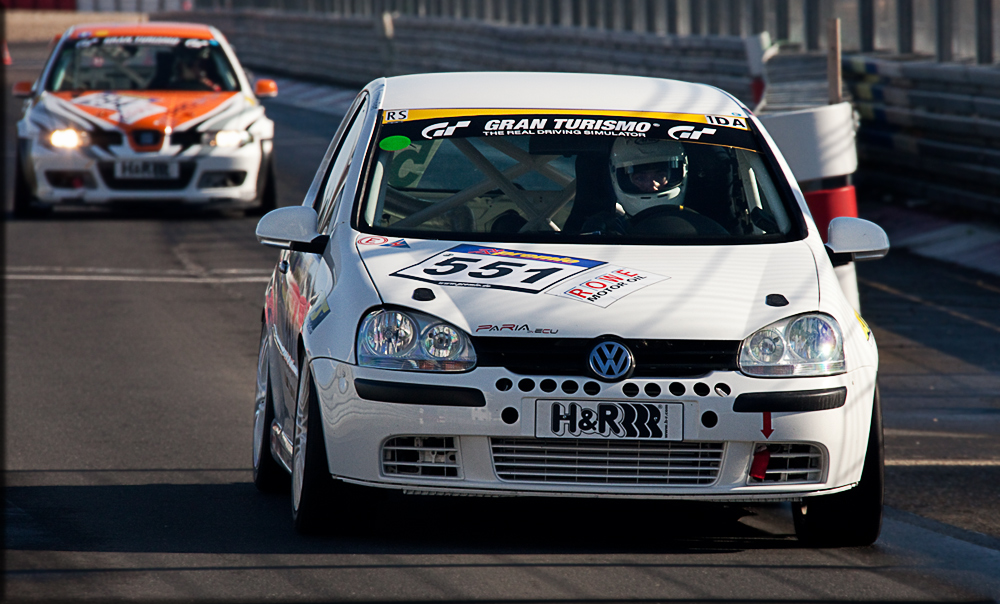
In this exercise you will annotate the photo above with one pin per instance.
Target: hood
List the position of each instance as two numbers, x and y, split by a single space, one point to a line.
157 110
668 292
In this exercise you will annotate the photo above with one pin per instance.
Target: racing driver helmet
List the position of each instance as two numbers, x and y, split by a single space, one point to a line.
647 173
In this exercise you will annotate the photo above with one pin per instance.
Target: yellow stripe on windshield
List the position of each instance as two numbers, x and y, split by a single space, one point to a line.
430 114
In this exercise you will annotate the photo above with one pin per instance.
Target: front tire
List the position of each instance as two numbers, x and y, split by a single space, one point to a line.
852 518
314 492
23 196
267 192
268 475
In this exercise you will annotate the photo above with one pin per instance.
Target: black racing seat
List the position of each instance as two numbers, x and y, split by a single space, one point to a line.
709 187
594 193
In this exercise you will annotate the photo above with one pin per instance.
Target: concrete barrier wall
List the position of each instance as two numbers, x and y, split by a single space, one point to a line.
929 130
356 50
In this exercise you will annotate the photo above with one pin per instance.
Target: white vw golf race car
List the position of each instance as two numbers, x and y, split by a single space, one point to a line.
149 112
565 285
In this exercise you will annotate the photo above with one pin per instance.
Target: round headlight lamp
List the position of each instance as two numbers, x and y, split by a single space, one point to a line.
441 341
766 346
813 338
390 334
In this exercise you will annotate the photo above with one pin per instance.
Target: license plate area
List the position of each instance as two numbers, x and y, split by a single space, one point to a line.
137 169
610 420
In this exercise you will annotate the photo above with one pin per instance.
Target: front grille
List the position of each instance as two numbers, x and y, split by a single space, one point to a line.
107 170
186 138
791 463
147 138
604 462
568 356
105 138
435 456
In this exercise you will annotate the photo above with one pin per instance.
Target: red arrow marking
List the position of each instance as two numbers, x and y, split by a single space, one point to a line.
767 431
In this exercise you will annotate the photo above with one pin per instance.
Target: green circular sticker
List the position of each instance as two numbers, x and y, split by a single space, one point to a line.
394 143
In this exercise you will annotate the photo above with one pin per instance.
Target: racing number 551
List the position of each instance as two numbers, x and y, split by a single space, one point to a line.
499 268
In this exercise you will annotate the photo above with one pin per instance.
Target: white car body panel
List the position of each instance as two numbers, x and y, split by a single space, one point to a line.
711 292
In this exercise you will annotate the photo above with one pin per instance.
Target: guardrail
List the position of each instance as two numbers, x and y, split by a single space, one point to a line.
355 50
929 130
951 30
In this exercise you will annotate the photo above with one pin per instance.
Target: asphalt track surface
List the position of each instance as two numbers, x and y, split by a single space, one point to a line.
130 349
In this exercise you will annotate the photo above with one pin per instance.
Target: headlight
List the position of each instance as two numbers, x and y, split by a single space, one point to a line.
226 138
68 138
809 344
412 341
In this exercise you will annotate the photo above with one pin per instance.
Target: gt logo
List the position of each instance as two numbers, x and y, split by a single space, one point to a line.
442 129
688 132
396 116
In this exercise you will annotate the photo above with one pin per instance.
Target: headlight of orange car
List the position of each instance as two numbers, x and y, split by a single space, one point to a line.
226 138
69 138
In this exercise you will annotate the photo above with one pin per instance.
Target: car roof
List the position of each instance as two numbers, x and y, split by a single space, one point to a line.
159 28
557 91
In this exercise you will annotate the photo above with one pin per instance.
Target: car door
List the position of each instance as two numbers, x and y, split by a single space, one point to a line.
305 278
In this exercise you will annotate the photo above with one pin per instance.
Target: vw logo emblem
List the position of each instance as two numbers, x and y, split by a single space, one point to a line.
611 361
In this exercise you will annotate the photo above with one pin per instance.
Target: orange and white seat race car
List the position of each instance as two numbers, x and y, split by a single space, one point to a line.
150 112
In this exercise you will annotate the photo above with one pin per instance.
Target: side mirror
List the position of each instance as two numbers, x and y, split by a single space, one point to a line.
292 228
266 88
22 90
858 238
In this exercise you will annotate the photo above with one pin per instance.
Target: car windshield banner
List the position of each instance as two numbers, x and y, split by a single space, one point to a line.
401 126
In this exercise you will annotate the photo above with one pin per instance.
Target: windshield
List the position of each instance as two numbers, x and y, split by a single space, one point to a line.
546 176
142 63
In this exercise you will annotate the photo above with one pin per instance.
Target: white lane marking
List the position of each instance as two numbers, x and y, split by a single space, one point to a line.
945 463
137 278
56 270
931 434
85 273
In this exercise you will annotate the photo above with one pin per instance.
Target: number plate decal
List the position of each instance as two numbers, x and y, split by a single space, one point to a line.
148 170
480 266
609 420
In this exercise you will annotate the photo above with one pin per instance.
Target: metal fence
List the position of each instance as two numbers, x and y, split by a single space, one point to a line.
139 6
950 30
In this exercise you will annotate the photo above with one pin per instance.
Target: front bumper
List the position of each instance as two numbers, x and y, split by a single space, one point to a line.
357 431
86 176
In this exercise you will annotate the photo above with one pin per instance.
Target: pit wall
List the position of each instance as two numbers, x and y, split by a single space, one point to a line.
356 50
929 131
